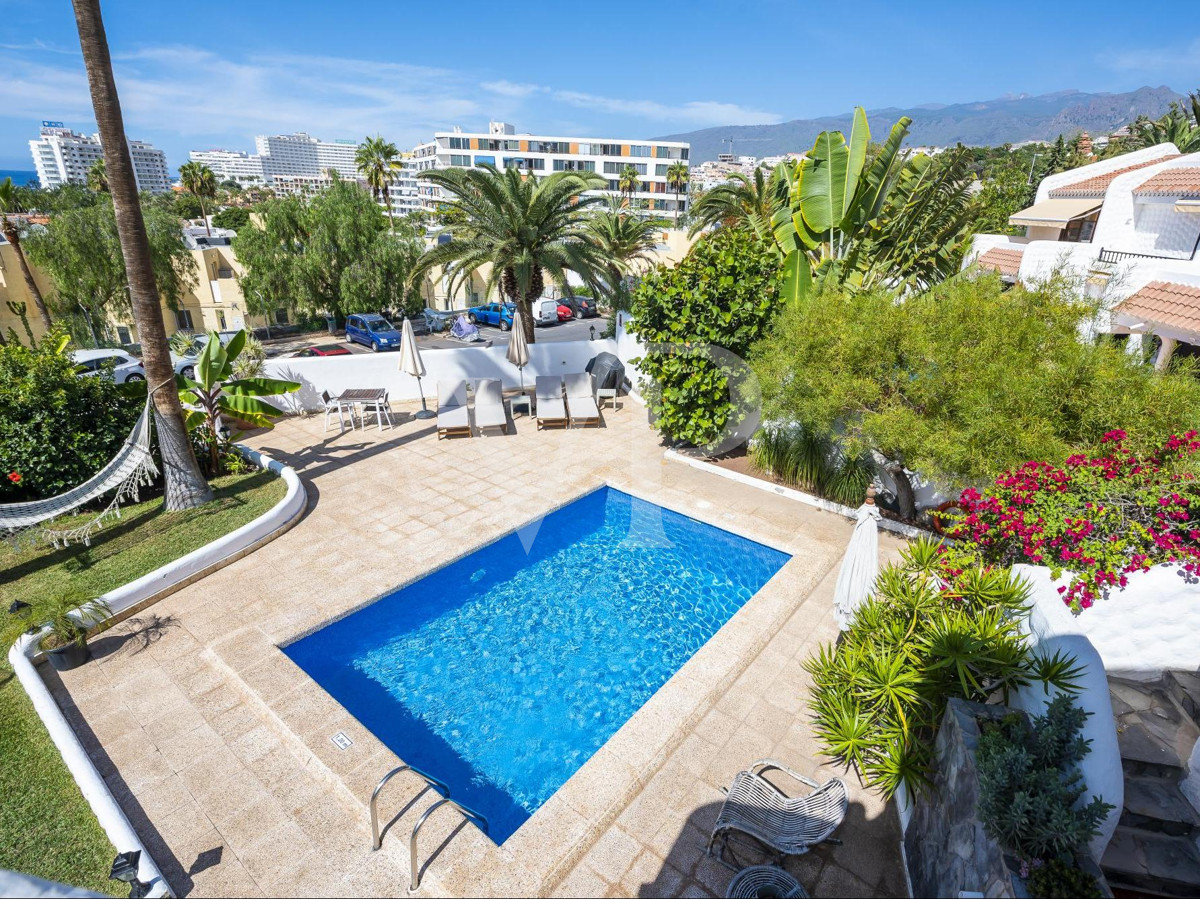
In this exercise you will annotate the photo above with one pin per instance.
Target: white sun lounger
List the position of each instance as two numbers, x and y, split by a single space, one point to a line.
551 411
452 416
489 405
581 400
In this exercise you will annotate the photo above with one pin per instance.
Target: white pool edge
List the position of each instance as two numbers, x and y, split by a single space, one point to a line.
135 594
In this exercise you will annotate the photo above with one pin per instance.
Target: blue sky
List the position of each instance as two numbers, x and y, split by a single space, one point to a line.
202 75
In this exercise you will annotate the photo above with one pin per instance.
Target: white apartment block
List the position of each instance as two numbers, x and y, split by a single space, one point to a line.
542 155
232 165
1127 230
299 154
404 191
61 156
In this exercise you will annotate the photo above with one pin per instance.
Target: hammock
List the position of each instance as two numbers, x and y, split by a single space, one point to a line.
132 468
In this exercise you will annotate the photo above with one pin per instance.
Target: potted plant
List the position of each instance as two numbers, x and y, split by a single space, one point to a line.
64 622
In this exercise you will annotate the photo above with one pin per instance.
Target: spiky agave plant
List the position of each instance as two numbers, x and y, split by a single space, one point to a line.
937 626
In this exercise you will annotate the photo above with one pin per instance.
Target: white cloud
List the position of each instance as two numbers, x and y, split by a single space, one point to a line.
511 89
696 112
1156 60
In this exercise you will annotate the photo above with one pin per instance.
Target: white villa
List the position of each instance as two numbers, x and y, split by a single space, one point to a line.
1128 228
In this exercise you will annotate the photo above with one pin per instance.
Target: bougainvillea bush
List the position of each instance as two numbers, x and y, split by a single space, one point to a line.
1099 517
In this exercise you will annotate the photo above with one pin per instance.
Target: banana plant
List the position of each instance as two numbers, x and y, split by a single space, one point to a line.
217 391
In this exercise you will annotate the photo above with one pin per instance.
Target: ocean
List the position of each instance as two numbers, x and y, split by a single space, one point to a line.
20 177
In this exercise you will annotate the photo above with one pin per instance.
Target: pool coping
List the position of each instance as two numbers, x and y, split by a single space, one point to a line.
535 857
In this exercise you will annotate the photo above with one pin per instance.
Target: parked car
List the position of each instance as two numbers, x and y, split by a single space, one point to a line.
185 362
328 349
498 315
372 330
545 312
583 307
565 313
117 364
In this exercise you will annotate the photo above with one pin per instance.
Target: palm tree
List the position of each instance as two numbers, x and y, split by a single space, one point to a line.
199 180
97 177
1180 126
626 242
524 228
185 485
628 182
677 177
377 159
10 202
743 202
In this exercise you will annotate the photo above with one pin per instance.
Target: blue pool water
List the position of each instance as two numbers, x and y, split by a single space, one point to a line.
503 672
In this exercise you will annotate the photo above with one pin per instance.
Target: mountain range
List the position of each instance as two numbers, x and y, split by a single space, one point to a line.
983 123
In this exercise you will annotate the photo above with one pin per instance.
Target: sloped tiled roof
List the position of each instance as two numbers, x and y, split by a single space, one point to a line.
1096 185
1004 260
1165 303
1181 182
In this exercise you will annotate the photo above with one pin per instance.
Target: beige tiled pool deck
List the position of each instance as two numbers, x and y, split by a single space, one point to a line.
219 748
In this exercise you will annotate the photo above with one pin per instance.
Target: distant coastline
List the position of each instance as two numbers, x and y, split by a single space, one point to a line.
20 177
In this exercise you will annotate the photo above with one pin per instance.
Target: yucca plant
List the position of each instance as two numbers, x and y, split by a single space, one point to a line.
936 627
812 463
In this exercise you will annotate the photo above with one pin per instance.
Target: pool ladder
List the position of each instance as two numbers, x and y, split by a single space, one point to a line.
431 783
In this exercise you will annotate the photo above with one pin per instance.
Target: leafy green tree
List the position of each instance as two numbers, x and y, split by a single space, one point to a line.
525 229
678 175
58 199
186 206
743 202
694 320
963 381
378 161
379 280
56 428
232 217
1180 126
1007 191
81 252
11 202
199 181
97 177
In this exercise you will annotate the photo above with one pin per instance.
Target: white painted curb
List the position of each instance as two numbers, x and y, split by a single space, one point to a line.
896 527
151 586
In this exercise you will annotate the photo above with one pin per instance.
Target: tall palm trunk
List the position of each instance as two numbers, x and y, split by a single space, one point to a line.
387 201
204 215
14 237
511 288
185 485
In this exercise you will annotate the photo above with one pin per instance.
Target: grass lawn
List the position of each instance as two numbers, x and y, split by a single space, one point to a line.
46 826
141 540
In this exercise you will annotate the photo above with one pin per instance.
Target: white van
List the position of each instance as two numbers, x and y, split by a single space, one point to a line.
545 312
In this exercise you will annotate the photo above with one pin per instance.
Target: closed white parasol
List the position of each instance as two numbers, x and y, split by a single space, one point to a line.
410 363
518 349
860 565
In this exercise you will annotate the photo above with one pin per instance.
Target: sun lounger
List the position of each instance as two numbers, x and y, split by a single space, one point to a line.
551 411
581 400
489 405
452 416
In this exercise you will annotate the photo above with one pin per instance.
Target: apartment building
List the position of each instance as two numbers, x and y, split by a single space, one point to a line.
542 155
62 156
1127 230
232 165
404 191
287 163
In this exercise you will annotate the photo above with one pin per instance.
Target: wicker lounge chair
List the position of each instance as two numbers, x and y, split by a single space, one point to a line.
452 416
581 400
764 880
489 405
551 411
785 825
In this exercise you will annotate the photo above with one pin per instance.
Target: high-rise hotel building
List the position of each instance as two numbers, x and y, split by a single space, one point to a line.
61 156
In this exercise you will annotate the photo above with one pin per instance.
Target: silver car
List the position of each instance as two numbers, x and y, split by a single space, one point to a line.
116 364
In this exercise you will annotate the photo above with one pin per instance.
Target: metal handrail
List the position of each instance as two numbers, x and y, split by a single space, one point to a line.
470 814
431 782
1113 256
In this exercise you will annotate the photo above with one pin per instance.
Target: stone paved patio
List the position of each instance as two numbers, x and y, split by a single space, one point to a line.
219 749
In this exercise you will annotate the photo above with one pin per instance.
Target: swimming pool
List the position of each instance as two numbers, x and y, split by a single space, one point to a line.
503 672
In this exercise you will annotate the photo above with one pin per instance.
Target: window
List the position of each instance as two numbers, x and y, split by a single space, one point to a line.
607 149
661 169
617 168
683 154
281 317
662 152
460 160
460 143
489 160
549 146
183 320
516 162
123 336
574 165
220 319
639 150
586 150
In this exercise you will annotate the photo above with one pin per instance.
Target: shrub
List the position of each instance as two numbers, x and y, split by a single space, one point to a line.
1102 517
1029 787
934 629
231 217
812 463
722 295
57 428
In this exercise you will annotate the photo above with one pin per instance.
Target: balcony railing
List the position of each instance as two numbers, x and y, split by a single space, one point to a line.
1115 256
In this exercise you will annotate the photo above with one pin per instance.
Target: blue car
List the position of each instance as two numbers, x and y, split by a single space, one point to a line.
372 330
498 315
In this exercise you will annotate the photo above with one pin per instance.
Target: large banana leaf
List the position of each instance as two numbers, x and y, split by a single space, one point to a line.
250 409
797 278
259 387
823 181
860 138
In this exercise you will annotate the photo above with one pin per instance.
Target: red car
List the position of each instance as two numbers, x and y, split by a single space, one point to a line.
330 349
565 313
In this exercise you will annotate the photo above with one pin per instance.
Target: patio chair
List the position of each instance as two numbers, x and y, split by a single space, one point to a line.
784 825
581 400
331 405
548 392
382 408
764 880
452 416
489 405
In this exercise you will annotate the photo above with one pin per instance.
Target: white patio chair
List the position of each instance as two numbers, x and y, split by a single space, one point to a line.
453 417
333 404
382 409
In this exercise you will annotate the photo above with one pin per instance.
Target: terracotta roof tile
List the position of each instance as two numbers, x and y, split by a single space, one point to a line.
1096 185
1005 261
1165 303
1181 182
